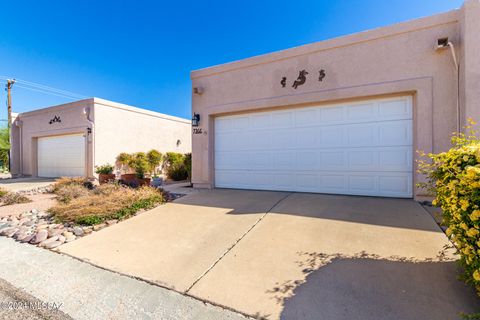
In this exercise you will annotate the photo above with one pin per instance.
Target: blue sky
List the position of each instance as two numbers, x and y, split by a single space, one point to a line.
141 52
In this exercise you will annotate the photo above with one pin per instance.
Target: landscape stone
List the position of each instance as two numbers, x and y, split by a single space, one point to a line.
78 231
70 238
11 232
7 230
48 241
40 236
27 238
110 222
99 226
54 232
61 239
53 244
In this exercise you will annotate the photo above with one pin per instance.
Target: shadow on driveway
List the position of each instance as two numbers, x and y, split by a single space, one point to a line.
369 288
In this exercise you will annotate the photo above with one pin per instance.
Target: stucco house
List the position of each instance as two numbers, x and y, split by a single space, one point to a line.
71 139
341 116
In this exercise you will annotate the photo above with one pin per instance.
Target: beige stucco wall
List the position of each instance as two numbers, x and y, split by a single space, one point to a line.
120 128
398 59
30 126
114 128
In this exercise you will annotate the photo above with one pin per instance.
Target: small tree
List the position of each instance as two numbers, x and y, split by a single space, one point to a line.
139 163
4 147
125 160
154 158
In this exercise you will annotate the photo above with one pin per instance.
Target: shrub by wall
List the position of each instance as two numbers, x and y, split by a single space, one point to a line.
177 166
454 178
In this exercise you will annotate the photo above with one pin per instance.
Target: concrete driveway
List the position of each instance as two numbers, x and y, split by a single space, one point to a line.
25 184
282 255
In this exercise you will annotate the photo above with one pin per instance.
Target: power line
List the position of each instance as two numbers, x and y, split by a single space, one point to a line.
47 92
33 86
48 88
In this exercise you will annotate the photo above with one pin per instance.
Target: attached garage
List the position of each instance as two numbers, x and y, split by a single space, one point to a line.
61 156
340 116
360 148
70 140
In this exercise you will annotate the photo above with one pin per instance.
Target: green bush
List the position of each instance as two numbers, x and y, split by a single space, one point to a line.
174 158
178 165
454 178
105 169
154 159
188 164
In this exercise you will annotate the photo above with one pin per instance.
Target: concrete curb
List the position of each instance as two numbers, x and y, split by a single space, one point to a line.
92 293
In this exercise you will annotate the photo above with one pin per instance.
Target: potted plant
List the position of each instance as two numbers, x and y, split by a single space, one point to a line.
105 173
140 165
154 159
126 162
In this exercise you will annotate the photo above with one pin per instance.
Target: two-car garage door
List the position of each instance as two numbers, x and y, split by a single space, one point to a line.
361 148
61 156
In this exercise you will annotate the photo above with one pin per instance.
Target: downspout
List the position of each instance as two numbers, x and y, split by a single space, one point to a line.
457 70
19 124
91 133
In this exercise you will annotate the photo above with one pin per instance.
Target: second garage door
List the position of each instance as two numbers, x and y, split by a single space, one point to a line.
361 148
61 156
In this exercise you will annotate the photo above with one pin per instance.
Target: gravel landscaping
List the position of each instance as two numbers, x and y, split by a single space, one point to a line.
42 228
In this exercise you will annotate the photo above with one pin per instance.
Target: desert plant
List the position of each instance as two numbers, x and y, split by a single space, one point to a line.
4 147
154 158
178 166
453 177
108 201
124 160
104 169
177 172
140 164
188 164
173 158
69 192
9 197
66 181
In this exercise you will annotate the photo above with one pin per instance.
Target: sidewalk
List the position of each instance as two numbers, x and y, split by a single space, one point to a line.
87 292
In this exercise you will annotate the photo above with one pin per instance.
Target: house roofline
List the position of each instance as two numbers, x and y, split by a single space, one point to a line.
334 43
98 101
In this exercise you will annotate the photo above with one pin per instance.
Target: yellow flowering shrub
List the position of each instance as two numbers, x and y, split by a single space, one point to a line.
453 177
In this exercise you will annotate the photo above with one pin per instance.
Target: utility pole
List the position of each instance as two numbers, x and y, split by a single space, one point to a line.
9 101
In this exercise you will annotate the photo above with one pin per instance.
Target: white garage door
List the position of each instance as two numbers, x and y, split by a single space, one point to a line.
361 148
61 156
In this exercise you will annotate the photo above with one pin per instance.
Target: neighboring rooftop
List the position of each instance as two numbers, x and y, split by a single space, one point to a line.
107 103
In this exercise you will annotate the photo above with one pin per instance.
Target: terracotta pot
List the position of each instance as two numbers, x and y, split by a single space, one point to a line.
143 182
105 177
129 177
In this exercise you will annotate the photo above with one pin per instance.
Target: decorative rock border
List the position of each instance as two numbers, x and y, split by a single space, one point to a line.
34 191
38 228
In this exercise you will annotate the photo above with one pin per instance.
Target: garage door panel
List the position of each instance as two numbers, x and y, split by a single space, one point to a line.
395 109
61 156
306 118
360 148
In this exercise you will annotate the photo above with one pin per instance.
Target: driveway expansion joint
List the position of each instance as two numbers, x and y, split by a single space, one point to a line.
235 243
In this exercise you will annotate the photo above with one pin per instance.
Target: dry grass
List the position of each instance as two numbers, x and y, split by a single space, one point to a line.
65 182
108 201
8 198
69 192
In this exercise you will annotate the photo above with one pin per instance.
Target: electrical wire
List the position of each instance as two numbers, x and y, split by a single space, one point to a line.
33 86
46 92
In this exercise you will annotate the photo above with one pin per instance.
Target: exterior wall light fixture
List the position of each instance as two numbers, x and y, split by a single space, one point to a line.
195 120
